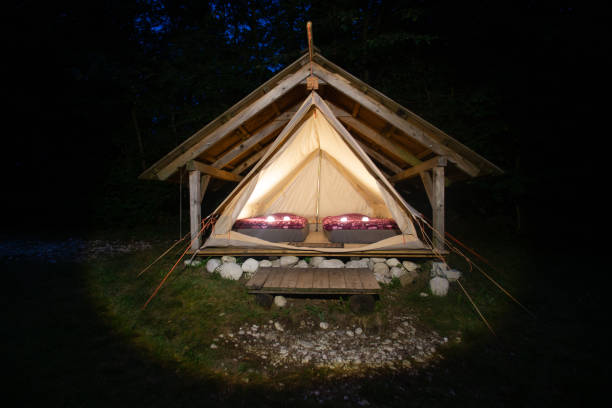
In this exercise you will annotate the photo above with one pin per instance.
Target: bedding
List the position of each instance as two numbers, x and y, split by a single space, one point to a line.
358 228
277 227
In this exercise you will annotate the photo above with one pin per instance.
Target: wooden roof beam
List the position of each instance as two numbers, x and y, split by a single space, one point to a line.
438 161
356 107
249 162
381 158
374 136
252 141
212 171
232 123
346 87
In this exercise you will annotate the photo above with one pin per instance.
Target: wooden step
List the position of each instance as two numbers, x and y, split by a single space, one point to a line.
313 281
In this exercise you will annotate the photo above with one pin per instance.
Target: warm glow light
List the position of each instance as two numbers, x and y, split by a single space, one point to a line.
286 218
365 219
343 219
270 218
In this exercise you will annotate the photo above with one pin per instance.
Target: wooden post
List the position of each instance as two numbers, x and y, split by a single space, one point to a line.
195 207
438 207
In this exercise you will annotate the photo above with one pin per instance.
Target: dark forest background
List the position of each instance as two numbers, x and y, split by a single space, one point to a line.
87 79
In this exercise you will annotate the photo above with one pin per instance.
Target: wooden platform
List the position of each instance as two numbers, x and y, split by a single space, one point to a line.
396 253
341 281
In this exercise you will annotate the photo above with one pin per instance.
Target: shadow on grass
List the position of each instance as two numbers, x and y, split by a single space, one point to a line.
63 354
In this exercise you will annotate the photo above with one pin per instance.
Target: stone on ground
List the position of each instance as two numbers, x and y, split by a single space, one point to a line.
280 301
324 325
408 278
230 270
265 263
212 264
392 262
438 269
250 266
397 272
316 260
410 266
378 260
452 275
194 263
357 264
228 259
288 261
302 264
331 263
278 326
438 286
381 273
276 263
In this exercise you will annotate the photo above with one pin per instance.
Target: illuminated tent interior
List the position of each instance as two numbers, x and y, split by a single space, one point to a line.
311 154
314 169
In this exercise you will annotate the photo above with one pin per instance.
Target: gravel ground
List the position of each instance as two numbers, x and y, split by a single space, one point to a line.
69 250
348 348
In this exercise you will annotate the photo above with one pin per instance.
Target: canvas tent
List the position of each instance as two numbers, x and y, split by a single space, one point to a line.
236 147
314 168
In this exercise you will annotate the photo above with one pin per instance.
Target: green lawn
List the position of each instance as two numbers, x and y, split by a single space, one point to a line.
77 336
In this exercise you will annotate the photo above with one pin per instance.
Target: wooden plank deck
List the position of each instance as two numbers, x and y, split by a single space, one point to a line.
341 281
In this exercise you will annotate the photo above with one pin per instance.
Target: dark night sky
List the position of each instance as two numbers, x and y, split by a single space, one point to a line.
75 68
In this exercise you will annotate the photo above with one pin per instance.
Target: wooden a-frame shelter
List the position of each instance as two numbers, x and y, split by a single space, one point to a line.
398 140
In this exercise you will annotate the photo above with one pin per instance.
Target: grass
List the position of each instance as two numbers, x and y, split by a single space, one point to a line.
76 336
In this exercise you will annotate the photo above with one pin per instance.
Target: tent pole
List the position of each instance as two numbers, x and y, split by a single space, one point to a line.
318 191
195 208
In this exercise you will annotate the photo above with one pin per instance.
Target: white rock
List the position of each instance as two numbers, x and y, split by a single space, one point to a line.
265 264
213 346
276 263
324 325
278 326
316 260
230 271
349 333
438 286
392 262
438 269
452 275
250 266
410 266
228 259
287 261
302 264
331 263
212 264
358 331
381 269
357 264
397 272
423 294
378 260
280 301
381 273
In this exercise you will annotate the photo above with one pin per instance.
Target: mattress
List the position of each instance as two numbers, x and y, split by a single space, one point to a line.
277 227
358 228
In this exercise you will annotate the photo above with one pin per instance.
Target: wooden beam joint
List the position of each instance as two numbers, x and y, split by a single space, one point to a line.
212 171
438 161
